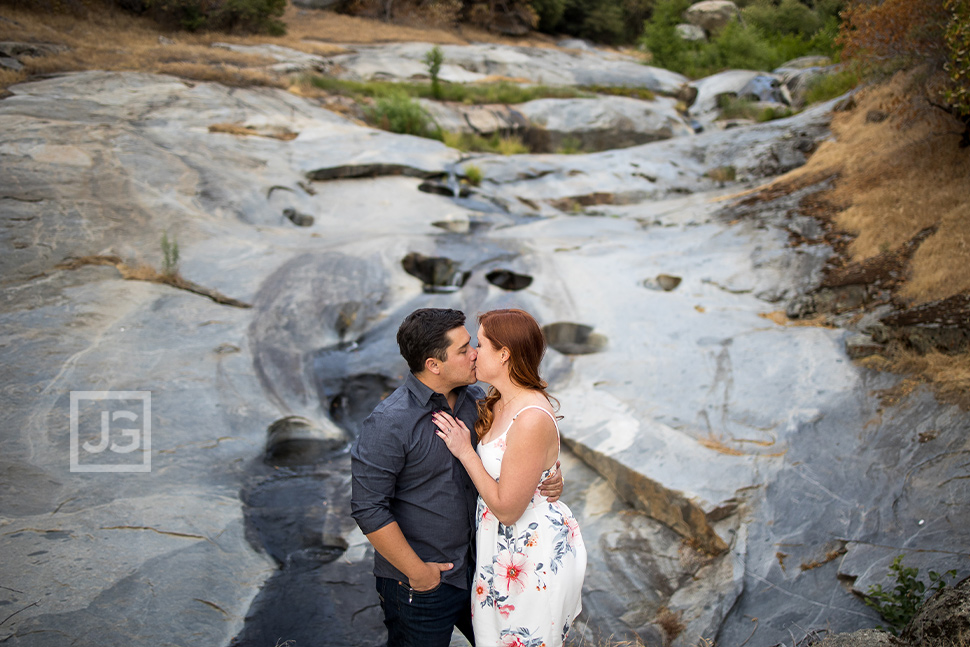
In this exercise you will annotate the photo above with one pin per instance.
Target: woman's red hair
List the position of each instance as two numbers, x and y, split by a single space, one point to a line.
519 332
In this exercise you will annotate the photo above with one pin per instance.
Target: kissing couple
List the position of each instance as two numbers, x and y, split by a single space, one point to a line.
458 489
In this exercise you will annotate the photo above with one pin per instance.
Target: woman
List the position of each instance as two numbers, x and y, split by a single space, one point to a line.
530 555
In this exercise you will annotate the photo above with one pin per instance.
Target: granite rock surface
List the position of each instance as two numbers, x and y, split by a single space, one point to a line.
724 466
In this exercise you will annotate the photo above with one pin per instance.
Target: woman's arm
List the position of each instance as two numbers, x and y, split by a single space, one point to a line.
526 456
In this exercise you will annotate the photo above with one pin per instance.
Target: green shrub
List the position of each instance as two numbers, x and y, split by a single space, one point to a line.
621 91
570 146
829 86
433 58
550 13
772 113
788 17
740 47
660 37
604 24
767 36
501 92
511 145
898 606
473 175
957 67
607 21
399 114
170 255
496 143
258 16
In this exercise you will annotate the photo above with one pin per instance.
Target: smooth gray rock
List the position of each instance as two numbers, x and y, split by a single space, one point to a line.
592 124
799 80
481 120
756 86
605 122
766 89
691 32
289 60
471 63
574 43
11 63
532 184
712 15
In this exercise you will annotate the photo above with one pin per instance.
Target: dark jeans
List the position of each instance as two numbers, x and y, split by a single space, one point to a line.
424 619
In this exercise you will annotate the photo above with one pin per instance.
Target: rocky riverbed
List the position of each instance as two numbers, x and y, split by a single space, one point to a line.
737 478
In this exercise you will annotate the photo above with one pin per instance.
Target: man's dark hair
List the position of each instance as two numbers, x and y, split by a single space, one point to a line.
424 334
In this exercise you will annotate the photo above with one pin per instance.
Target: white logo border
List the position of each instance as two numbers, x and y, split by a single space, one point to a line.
146 431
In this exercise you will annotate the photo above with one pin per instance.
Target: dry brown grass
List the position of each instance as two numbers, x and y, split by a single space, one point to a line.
273 132
9 77
714 443
892 180
833 554
949 375
104 37
672 624
143 272
781 318
898 177
109 39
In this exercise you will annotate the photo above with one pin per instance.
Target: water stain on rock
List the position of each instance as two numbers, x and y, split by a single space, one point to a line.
295 440
573 338
439 274
509 280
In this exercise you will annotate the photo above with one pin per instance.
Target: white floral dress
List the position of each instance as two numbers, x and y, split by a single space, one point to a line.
529 576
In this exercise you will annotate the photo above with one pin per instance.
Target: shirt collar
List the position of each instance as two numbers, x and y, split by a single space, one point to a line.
423 392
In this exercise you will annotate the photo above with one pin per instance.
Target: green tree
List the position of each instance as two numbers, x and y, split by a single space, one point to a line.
550 13
787 17
604 24
660 35
433 58
237 15
957 65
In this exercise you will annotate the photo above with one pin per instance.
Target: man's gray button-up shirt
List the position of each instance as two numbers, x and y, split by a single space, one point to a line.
403 472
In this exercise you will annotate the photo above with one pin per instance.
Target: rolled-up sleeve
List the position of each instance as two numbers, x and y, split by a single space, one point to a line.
377 458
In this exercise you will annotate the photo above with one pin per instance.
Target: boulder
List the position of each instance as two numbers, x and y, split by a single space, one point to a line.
288 60
798 75
483 119
763 87
941 618
712 15
691 32
574 43
16 49
605 122
751 85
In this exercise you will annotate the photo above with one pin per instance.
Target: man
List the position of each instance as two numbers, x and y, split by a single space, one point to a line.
411 498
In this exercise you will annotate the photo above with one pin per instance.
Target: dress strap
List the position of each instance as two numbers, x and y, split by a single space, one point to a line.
558 440
536 406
